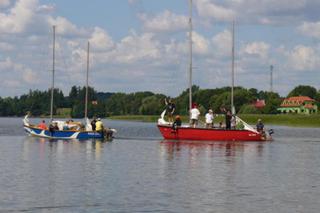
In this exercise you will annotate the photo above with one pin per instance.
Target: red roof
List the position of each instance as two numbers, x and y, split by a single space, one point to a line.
259 104
296 101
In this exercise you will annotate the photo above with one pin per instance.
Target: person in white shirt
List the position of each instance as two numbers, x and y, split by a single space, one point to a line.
209 119
194 116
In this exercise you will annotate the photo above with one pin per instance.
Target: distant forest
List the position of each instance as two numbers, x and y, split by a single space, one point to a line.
104 104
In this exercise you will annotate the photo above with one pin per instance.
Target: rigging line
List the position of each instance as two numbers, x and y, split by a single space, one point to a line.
63 58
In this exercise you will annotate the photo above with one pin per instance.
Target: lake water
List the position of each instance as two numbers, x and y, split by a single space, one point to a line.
139 172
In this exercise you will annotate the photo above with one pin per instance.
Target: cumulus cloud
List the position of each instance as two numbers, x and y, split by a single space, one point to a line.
164 22
200 44
16 73
208 8
100 40
311 29
262 12
65 27
136 47
260 49
18 17
222 43
303 58
46 8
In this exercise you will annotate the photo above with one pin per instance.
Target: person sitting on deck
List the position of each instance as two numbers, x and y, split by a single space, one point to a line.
100 127
194 115
42 125
66 126
177 122
209 119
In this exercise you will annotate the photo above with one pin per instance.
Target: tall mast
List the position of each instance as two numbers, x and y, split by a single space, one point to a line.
53 64
87 83
190 54
271 78
232 71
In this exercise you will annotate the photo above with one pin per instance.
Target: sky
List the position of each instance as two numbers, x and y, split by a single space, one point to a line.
142 45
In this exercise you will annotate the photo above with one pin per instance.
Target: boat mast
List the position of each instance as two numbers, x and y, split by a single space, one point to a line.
232 71
87 84
190 54
53 66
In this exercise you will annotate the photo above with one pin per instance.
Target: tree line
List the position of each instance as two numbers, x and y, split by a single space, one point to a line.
104 104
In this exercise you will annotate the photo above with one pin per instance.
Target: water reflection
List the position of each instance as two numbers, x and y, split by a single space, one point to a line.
58 147
172 149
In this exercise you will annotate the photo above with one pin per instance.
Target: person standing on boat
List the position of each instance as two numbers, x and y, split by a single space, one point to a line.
209 119
194 115
228 117
260 126
170 108
93 124
99 127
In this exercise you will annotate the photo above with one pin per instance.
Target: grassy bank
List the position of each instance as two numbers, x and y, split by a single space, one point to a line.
284 120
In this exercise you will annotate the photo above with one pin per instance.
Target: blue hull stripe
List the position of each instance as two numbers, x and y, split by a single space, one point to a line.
62 134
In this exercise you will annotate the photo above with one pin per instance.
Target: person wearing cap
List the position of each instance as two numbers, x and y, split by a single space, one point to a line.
194 115
260 126
209 119
177 122
99 127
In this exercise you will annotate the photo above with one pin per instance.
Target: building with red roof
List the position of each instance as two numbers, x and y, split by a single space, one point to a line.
299 105
259 104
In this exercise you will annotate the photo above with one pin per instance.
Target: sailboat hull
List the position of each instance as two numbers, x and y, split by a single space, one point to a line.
65 134
204 134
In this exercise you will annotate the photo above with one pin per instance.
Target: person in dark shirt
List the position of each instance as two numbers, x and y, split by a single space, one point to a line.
170 108
177 122
260 126
228 117
93 124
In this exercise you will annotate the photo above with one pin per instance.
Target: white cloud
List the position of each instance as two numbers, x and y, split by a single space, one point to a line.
136 47
260 49
262 12
311 29
6 46
200 44
207 8
303 58
18 17
15 72
222 43
46 8
65 27
100 40
164 22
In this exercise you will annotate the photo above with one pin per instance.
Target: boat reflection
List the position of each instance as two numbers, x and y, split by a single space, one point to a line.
58 147
211 148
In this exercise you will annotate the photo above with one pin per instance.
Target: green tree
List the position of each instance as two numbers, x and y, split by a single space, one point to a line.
303 90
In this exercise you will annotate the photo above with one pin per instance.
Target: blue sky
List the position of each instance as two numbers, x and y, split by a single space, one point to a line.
141 45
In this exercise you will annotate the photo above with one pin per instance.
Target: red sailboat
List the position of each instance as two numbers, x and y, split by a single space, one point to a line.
186 132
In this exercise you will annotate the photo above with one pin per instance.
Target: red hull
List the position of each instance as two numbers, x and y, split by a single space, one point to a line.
202 134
